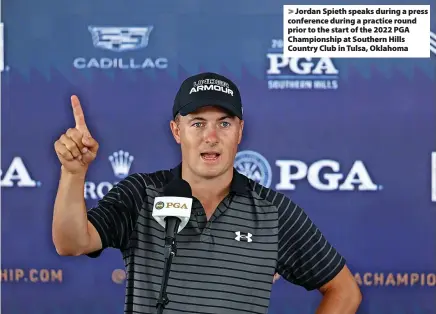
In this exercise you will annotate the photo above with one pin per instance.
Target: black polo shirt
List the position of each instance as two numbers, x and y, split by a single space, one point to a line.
224 265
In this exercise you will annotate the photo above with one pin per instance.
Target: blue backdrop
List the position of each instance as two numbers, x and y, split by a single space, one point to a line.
363 123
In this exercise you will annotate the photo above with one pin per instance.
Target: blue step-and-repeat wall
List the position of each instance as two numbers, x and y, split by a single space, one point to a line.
353 141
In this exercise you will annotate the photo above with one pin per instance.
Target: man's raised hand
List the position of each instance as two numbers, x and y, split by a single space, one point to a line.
76 148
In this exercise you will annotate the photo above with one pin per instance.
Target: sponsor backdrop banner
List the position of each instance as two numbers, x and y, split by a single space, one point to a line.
351 140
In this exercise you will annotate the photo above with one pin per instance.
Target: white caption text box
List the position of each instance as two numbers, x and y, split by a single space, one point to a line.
356 31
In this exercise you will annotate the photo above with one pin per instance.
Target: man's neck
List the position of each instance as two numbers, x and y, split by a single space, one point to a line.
208 190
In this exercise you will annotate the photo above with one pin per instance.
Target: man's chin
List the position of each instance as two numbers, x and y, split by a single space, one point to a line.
210 171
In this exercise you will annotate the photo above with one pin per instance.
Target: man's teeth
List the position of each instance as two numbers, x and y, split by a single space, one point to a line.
210 156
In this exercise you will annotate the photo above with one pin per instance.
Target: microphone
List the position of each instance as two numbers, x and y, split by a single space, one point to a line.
172 211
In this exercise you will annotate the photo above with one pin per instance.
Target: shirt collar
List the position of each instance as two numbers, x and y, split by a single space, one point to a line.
239 182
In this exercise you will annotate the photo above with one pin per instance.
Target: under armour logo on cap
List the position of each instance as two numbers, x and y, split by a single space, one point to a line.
208 89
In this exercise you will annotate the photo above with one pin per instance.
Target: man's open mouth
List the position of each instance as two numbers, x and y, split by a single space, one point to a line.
210 155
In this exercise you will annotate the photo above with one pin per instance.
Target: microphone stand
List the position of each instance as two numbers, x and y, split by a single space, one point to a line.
170 250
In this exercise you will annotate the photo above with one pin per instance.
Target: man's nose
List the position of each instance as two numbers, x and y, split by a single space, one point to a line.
211 136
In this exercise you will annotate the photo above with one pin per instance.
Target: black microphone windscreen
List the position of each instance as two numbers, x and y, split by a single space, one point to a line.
178 188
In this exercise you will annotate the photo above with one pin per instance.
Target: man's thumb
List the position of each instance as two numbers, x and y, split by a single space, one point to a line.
89 143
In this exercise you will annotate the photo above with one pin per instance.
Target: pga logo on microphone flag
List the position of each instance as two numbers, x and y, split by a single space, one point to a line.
166 206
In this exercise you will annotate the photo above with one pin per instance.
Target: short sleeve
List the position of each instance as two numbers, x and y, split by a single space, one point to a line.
305 257
115 215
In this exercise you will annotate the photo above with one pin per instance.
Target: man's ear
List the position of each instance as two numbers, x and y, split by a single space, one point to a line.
174 126
240 131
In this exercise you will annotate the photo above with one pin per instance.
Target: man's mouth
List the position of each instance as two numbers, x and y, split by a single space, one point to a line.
210 155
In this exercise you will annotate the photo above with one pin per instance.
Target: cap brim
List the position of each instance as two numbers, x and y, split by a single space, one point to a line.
193 106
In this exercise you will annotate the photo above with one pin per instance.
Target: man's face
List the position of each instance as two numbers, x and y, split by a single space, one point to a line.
209 140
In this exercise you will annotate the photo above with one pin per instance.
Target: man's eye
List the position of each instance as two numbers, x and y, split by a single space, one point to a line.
197 124
225 124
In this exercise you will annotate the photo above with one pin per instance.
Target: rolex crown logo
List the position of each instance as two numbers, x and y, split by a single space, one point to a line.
121 162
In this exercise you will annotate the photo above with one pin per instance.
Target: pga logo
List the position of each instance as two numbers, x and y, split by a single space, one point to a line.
300 66
162 205
325 175
172 206
18 175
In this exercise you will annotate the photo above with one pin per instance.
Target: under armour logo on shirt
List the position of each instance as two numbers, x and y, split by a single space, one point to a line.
243 237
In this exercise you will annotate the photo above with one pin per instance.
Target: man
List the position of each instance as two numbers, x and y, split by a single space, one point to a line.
239 235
